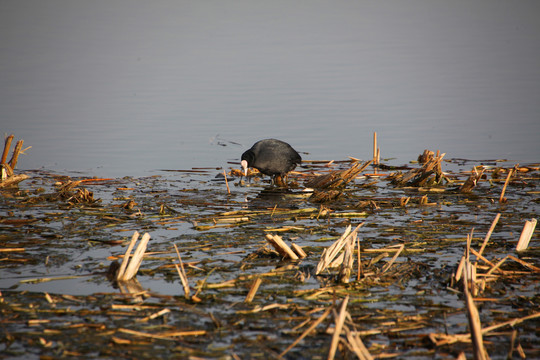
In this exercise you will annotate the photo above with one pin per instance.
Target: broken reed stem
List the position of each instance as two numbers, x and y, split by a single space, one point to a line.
136 260
475 328
281 247
526 235
7 146
182 273
15 156
375 162
488 235
226 182
330 253
357 345
125 260
308 330
359 265
340 320
510 172
253 290
387 266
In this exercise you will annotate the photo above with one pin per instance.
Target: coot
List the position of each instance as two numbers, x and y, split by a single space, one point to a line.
271 157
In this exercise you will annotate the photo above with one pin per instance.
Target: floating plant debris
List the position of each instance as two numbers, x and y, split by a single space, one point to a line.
435 270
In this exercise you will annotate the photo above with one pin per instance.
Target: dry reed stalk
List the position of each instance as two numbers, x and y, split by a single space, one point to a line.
375 148
163 336
136 260
253 290
226 182
15 155
497 266
298 251
460 268
340 320
125 260
359 261
524 263
182 273
338 178
330 253
475 328
488 235
502 198
7 146
155 315
281 247
387 266
526 235
307 331
348 261
451 339
357 346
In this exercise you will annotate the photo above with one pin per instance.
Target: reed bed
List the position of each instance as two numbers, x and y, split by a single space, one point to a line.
437 258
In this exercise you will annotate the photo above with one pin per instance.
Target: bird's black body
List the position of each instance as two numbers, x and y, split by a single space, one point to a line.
271 157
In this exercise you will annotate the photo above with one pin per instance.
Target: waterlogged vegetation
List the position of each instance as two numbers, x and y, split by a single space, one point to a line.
406 298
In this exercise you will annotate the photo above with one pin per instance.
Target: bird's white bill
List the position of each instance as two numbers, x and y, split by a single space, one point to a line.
244 166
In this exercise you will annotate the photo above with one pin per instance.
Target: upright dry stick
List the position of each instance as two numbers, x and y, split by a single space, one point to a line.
136 260
475 326
488 235
332 251
16 152
340 320
387 266
253 290
502 198
182 273
226 182
125 261
7 146
375 148
359 270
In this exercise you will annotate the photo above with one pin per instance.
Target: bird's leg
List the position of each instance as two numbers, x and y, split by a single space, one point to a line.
280 181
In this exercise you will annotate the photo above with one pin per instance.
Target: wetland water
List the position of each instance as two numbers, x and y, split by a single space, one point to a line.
56 299
119 89
127 91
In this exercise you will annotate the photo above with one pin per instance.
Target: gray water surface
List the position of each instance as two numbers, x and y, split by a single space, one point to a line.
114 88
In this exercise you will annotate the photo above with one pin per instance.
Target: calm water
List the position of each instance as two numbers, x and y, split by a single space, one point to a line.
117 88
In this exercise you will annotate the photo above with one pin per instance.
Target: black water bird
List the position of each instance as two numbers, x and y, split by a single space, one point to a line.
271 157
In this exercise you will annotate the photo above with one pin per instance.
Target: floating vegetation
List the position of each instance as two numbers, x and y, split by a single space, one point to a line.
444 265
